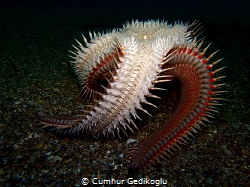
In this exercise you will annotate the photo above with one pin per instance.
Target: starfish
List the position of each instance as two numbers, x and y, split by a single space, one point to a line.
120 69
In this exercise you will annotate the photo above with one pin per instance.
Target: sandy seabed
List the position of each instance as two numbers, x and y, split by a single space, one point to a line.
36 75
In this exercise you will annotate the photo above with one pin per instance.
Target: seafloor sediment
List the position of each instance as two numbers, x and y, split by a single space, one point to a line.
35 75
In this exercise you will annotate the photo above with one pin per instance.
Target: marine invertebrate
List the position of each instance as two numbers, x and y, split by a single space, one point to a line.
119 69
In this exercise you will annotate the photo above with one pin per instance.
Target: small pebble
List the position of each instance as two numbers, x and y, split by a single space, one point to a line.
121 155
50 157
47 154
57 158
92 148
36 136
54 158
40 145
45 171
15 146
129 141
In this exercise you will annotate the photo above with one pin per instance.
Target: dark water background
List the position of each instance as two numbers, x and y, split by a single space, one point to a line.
35 74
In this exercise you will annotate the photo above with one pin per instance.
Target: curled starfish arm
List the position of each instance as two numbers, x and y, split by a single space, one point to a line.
196 102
